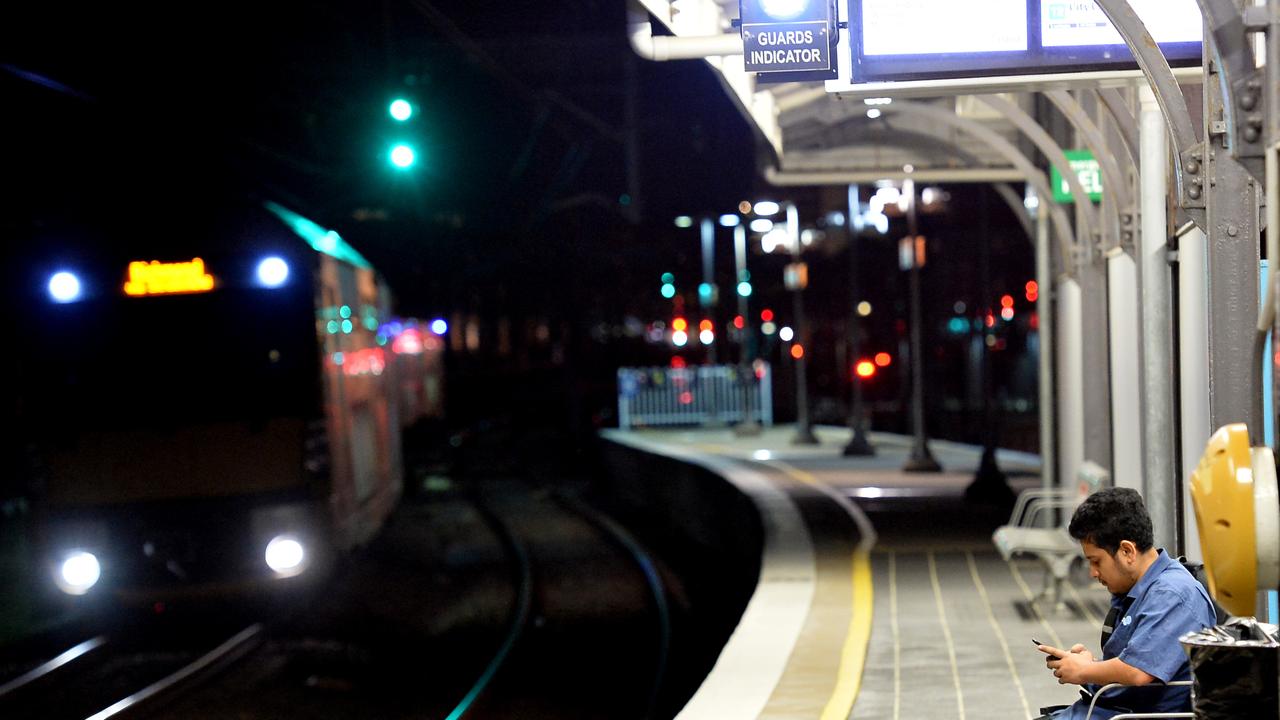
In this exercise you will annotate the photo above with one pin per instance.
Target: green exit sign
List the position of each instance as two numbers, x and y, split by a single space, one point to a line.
1086 168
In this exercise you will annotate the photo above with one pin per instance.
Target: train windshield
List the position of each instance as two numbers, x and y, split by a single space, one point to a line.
156 362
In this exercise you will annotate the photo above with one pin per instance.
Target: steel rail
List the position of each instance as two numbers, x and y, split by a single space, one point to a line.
204 666
47 668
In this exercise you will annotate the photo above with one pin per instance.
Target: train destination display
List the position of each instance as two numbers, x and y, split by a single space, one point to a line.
924 39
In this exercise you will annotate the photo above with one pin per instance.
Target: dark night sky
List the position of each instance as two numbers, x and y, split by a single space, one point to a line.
521 131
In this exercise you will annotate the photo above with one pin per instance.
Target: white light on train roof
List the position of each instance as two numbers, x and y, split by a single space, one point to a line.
64 287
272 272
761 225
285 555
79 572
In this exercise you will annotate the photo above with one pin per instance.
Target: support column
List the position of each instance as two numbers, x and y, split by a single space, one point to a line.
1070 382
1126 396
1048 348
1193 353
1158 466
1234 252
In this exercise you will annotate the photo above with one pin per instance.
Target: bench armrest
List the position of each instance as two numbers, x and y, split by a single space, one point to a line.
1113 686
1029 496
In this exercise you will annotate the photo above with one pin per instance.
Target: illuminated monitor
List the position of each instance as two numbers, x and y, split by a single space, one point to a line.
928 39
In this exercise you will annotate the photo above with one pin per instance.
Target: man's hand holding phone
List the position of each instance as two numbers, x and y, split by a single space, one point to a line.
1067 665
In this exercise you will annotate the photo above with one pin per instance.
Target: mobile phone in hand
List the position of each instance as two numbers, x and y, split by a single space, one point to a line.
1036 642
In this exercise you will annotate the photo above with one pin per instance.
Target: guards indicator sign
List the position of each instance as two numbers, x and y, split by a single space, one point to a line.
787 35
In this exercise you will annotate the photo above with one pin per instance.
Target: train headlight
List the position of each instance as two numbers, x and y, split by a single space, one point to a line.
78 572
285 556
64 287
272 272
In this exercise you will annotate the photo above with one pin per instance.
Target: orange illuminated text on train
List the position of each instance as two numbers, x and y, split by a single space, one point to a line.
157 278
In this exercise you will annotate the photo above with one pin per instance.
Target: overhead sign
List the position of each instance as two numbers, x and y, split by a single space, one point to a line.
160 278
788 35
1086 168
895 40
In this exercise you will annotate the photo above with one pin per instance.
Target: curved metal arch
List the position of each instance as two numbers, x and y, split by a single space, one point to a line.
1173 105
1125 123
1035 176
911 139
1051 150
1115 183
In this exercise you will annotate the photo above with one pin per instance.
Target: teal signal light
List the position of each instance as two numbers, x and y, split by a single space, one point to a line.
744 289
402 156
668 290
401 110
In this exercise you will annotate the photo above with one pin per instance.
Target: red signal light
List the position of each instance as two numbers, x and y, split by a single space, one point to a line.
865 369
680 324
704 326
678 362
797 351
739 322
766 315
883 359
1006 301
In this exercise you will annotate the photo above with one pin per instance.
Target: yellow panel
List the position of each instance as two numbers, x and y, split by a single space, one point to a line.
1222 493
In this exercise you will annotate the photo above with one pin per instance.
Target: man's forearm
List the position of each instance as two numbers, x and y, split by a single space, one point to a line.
1105 672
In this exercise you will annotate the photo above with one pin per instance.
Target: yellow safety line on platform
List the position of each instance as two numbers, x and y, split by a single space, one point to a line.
1031 603
1004 643
853 656
897 644
946 632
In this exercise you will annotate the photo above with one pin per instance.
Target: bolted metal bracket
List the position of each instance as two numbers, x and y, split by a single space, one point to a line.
1248 141
1129 229
1194 183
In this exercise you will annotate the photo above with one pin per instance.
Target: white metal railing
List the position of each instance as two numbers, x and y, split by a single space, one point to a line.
698 395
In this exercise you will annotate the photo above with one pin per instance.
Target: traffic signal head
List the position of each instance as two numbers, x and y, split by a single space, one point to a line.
400 109
402 156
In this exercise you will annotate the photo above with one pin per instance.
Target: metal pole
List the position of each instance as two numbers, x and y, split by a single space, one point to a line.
1046 341
749 424
804 425
707 294
920 459
1070 382
1157 331
858 444
1193 332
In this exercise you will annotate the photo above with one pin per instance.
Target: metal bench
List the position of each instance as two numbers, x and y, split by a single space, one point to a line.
1027 532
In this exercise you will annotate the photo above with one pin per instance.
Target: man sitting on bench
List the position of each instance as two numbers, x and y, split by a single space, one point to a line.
1154 601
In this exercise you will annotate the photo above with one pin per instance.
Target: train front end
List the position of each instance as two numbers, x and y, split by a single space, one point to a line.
176 419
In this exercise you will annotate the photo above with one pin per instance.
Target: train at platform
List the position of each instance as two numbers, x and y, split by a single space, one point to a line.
215 415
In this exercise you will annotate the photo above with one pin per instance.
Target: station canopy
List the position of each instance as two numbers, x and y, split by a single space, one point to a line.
845 130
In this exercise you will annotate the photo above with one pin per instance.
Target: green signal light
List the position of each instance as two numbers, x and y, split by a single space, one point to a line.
403 156
668 290
668 278
400 109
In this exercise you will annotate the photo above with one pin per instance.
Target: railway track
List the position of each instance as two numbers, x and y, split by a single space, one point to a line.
590 628
104 678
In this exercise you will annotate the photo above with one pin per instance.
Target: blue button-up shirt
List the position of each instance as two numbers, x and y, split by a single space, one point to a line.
1164 604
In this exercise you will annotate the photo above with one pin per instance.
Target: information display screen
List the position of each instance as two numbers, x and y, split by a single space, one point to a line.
925 39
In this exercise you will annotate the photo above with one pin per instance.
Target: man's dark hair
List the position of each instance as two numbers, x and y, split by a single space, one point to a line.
1111 515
